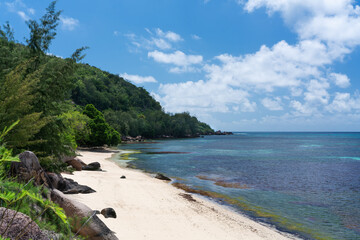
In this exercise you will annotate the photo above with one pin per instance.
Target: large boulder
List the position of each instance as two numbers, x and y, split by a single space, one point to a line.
68 186
94 166
95 229
74 162
28 168
75 188
19 225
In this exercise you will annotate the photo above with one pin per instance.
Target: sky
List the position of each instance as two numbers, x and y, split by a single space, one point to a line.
238 65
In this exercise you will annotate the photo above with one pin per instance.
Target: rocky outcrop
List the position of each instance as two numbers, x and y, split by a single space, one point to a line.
76 164
67 186
73 187
95 229
222 133
162 177
29 168
20 225
108 213
132 139
94 166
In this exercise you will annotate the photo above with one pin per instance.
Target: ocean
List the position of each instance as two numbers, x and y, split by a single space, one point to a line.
307 184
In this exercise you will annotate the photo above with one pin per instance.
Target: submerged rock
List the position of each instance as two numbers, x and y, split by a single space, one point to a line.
108 213
162 177
32 231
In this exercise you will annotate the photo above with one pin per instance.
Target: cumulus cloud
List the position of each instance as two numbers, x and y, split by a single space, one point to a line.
68 23
182 62
195 37
281 66
171 36
200 97
344 102
272 104
23 15
138 79
340 80
158 39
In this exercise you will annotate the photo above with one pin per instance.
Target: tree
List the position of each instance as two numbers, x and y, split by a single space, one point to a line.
41 34
16 98
101 132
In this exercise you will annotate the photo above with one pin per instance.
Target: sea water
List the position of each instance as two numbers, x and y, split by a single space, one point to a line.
304 183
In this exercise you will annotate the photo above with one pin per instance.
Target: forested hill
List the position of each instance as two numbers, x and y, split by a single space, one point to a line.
130 109
109 91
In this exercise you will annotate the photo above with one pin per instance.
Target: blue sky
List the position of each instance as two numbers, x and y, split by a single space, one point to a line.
240 65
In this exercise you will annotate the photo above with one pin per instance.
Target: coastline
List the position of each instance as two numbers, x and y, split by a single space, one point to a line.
148 208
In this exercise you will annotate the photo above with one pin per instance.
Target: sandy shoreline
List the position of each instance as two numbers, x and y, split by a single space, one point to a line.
148 208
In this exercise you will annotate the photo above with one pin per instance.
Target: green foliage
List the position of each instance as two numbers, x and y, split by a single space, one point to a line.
77 127
101 132
130 110
41 34
6 154
16 98
8 33
109 91
29 200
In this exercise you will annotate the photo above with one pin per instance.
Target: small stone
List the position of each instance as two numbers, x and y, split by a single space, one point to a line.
122 177
108 213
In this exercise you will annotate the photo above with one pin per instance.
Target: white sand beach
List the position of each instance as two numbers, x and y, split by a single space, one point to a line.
148 208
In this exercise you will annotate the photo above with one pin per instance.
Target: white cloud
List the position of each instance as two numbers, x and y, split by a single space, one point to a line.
182 62
68 23
201 97
340 80
157 40
160 43
272 104
171 36
195 37
302 109
317 92
343 102
282 66
138 79
23 15
31 11
20 9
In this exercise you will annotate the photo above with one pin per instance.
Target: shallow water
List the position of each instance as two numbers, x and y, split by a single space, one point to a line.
304 183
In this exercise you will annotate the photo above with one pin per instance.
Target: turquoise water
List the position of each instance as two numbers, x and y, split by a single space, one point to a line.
304 183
